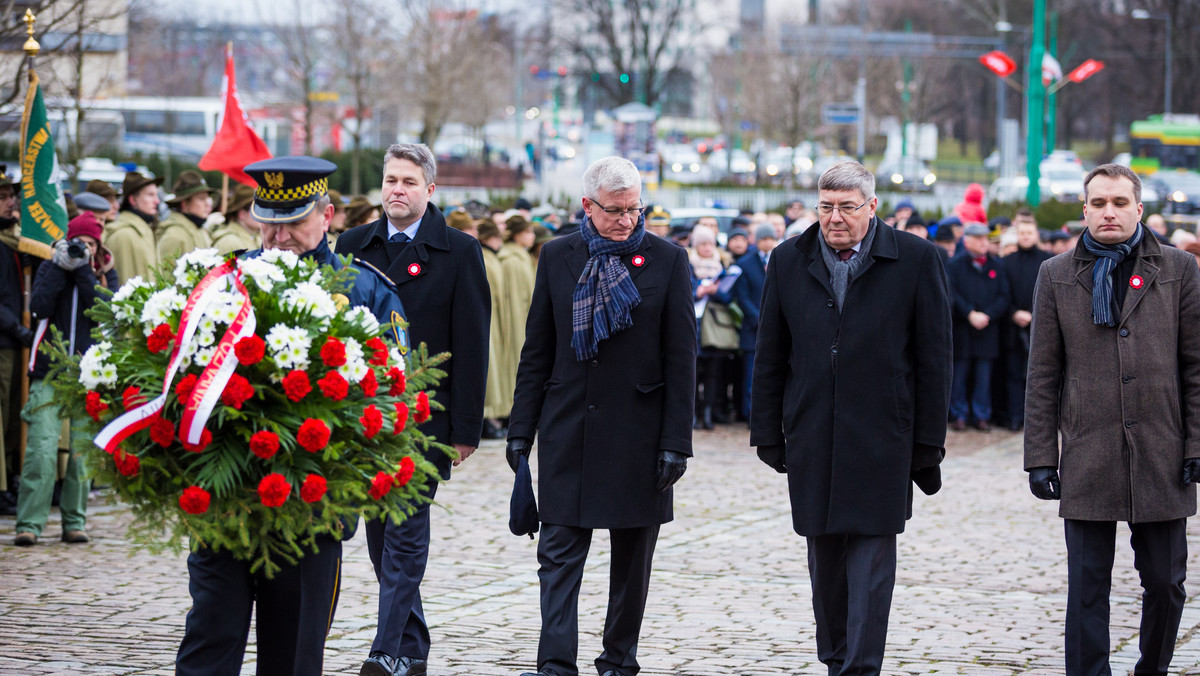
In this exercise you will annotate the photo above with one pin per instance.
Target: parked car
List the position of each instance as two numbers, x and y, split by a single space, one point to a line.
905 173
683 164
1179 191
735 165
1062 182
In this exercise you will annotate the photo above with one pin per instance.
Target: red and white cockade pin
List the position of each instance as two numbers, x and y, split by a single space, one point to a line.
414 269
991 274
638 261
1136 282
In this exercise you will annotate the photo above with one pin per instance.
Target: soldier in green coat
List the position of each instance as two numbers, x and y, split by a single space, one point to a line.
131 236
240 231
182 231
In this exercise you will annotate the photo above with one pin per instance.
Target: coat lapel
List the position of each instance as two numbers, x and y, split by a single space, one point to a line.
810 247
577 257
412 261
1145 268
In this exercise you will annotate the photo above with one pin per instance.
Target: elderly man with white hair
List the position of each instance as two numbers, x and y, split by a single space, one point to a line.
605 384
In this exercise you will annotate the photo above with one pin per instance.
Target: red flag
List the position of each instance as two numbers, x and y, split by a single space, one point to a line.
999 63
1085 70
236 144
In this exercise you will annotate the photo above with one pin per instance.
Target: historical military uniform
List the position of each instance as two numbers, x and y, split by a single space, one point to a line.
182 233
131 236
295 608
232 235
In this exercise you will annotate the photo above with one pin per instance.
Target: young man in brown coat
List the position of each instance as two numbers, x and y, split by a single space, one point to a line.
1114 365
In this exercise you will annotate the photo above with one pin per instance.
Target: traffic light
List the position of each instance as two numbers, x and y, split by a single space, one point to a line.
533 70
562 71
624 78
595 77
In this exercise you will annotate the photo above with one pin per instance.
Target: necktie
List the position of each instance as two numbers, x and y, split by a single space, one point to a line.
846 254
980 260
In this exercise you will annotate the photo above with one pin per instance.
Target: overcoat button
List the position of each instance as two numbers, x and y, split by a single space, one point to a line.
595 363
1124 332
591 408
829 302
1128 423
1125 379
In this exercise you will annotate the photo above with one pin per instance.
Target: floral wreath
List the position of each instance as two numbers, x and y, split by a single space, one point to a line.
241 404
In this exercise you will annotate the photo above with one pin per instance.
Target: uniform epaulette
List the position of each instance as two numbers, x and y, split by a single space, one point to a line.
379 273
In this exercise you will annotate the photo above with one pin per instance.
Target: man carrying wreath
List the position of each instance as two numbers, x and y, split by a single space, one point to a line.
296 605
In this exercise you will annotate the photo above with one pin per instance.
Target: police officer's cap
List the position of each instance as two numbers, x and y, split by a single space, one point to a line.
288 187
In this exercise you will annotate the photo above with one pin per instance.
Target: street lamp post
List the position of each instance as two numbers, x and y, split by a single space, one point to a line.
1142 14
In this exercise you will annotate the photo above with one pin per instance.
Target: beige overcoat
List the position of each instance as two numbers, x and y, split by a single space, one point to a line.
131 240
1126 399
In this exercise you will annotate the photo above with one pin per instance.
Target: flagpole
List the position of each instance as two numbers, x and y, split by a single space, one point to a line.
31 48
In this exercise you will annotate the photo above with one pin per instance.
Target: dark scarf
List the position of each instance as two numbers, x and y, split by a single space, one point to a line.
199 222
1108 257
604 295
841 273
151 219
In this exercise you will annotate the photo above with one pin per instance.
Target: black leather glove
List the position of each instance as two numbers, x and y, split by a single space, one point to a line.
1191 471
24 336
515 448
775 456
671 466
1043 482
928 479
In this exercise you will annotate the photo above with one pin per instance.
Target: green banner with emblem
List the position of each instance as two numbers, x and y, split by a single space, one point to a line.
43 209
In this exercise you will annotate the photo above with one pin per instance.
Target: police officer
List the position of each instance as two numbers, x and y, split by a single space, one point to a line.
295 607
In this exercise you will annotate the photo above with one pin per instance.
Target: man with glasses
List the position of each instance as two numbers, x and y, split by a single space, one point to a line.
850 393
606 383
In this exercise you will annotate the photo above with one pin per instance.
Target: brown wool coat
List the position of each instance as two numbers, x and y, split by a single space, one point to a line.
1126 398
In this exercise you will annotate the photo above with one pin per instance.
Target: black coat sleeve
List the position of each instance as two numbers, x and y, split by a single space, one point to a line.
679 360
932 363
537 358
469 337
47 285
772 355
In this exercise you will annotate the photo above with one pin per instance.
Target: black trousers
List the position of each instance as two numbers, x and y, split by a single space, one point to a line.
1160 557
852 581
399 555
562 551
294 611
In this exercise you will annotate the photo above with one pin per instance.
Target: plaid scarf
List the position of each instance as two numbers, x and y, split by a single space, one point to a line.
605 294
1108 257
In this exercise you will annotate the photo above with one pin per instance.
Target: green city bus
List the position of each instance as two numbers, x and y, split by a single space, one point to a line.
1170 143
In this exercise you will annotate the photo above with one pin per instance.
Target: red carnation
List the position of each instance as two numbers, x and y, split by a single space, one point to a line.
372 421
237 391
334 386
127 463
95 406
313 488
405 473
249 350
313 435
183 389
194 500
160 338
379 350
333 352
369 385
296 385
380 485
273 490
162 431
132 396
205 440
401 417
398 384
264 444
422 408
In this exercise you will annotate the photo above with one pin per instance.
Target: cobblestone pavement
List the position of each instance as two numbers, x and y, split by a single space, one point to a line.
981 585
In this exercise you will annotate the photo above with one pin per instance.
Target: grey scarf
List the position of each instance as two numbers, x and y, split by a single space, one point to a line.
841 273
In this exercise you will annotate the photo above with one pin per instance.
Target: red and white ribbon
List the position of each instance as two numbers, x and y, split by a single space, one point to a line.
206 292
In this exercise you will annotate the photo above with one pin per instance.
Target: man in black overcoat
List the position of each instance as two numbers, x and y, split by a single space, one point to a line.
851 387
1021 271
979 300
438 272
605 383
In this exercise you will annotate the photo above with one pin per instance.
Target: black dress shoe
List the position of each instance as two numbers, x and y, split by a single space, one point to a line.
378 664
541 672
612 672
410 666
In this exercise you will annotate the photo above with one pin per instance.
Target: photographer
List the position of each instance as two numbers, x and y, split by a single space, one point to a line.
64 288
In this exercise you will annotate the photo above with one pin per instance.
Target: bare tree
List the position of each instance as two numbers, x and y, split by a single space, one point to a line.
643 39
302 48
362 43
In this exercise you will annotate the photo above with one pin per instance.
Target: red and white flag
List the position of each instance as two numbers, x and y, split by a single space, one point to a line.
235 144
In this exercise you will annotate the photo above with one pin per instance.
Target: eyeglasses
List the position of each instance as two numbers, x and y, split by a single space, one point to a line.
828 209
632 212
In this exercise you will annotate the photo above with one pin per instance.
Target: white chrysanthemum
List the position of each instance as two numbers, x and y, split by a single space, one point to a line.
355 368
204 355
205 338
94 369
284 257
122 310
289 346
309 296
398 359
265 275
363 317
160 307
192 266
